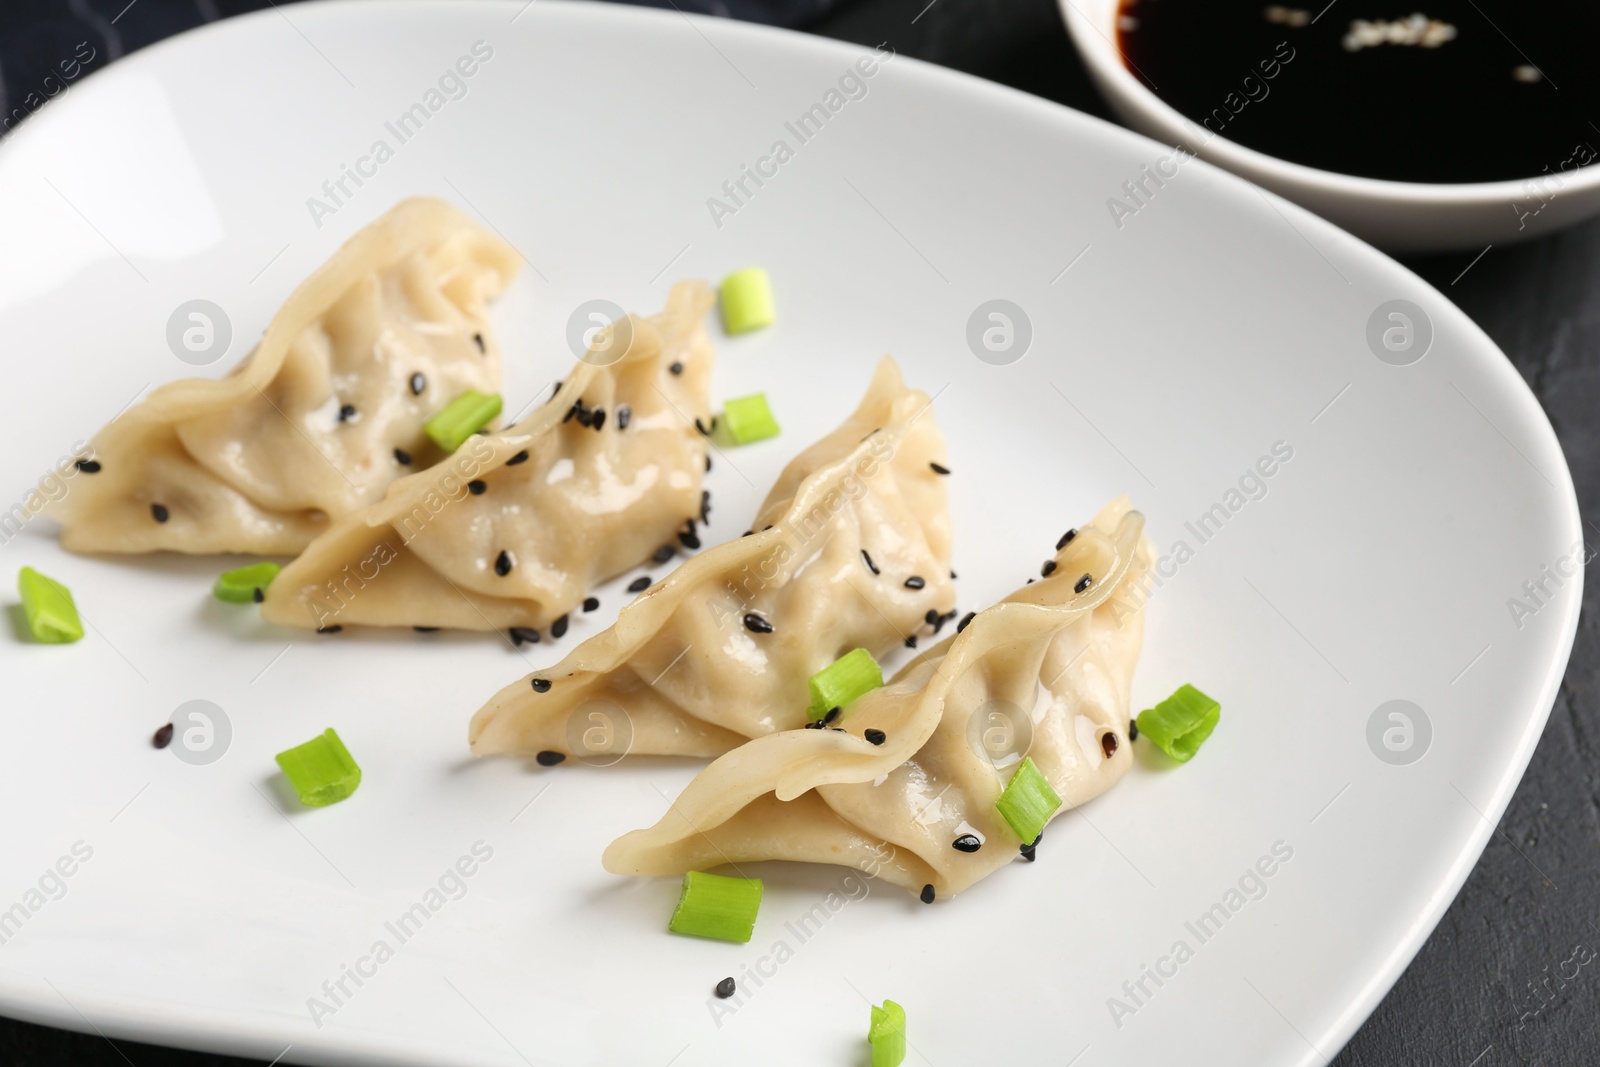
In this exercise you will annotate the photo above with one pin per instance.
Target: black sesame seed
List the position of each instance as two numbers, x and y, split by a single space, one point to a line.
591 603
832 716
426 629
664 553
967 843
915 582
257 595
477 339
1048 569
939 468
817 725
521 635
747 533
1029 854
1066 539
89 466
837 729
329 629
639 584
599 419
624 416
965 619
419 382
708 462
932 617
559 627
871 566
874 736
1133 729
402 457
541 685
911 642
756 624
687 537
476 487
159 512
502 563
725 988
520 457
927 894
573 410
676 368
767 527
1083 583
550 759
1108 744
952 576
347 412
704 431
163 736
705 507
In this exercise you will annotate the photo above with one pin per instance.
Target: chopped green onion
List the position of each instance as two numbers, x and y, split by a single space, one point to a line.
244 584
888 1035
321 770
1028 801
841 681
52 616
713 905
748 419
1180 724
461 418
746 300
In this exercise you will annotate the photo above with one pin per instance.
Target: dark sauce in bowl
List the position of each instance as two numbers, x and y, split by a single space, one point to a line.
1436 92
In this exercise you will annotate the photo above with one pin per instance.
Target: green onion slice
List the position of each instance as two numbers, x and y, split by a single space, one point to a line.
841 681
1028 801
1180 724
461 418
52 616
746 300
747 419
321 770
887 1035
712 905
244 584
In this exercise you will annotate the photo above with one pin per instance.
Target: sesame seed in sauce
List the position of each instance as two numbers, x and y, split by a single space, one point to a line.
967 843
419 382
1083 583
159 512
1048 569
915 582
520 457
1066 539
541 685
477 486
502 563
756 624
874 736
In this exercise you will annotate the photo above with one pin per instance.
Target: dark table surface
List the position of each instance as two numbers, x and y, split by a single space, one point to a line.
1485 989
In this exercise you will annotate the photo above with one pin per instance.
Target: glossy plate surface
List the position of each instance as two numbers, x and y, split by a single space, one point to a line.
1162 354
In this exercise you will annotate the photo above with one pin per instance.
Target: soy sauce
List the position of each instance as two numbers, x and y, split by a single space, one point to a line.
1408 90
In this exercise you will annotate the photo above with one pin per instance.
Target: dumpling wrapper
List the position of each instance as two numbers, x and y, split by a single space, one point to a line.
260 460
1064 660
681 673
583 506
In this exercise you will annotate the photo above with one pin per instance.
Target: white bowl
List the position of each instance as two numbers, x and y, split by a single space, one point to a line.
1398 216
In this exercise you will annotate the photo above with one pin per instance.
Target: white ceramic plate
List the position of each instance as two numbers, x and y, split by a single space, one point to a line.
1166 357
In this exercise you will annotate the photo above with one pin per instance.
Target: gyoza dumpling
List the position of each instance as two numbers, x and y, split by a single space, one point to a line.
1046 661
321 417
722 649
516 527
